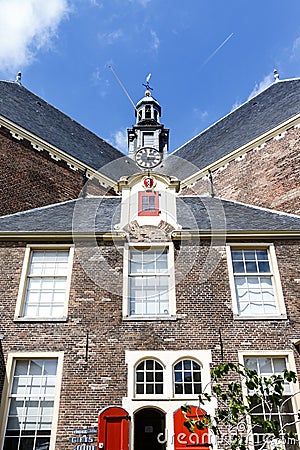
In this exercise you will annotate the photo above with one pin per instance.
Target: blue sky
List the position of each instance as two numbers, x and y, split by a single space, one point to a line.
205 56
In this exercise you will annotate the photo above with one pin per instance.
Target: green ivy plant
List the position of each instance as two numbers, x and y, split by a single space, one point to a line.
235 415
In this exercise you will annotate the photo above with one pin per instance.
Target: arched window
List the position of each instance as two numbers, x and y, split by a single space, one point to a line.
149 377
187 377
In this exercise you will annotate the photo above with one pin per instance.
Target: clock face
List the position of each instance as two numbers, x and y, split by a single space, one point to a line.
147 157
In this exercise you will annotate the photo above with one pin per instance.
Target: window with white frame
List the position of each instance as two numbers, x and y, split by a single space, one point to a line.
31 402
266 366
46 280
148 139
149 282
149 377
255 282
166 374
187 377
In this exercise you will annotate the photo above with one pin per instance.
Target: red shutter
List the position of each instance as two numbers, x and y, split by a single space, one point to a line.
113 429
148 204
183 438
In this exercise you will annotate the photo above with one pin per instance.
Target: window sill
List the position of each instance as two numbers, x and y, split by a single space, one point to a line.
149 318
278 317
40 319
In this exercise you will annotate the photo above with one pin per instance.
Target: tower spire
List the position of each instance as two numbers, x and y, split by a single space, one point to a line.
148 133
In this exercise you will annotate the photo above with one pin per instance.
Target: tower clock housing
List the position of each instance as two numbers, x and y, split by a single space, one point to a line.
148 135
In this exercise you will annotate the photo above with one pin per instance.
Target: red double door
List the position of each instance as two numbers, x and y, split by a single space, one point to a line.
114 429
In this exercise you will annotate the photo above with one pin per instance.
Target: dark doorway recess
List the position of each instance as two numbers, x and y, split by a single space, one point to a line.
149 429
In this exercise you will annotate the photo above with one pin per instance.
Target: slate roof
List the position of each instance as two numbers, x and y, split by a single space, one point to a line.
276 104
206 213
35 115
100 214
82 215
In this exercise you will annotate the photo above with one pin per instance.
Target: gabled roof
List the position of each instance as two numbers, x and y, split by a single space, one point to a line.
32 113
79 215
262 113
101 214
207 213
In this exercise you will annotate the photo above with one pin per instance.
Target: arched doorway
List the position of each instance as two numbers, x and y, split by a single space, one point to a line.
149 429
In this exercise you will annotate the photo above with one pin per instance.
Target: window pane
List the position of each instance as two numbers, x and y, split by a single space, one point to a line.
46 283
149 289
255 294
187 377
284 414
149 377
237 255
31 411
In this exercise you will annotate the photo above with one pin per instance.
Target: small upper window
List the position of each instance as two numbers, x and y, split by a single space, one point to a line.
148 112
187 377
45 290
149 377
148 204
148 139
255 288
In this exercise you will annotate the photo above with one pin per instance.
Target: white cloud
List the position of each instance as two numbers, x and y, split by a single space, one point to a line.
110 38
200 115
266 82
98 79
295 49
141 2
155 40
119 140
27 26
96 3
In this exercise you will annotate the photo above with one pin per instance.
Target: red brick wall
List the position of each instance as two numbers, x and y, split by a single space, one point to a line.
30 179
268 177
204 308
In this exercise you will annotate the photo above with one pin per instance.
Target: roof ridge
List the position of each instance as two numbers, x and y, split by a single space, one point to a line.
54 205
39 208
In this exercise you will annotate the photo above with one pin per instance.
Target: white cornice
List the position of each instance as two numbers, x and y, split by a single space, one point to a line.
228 234
39 144
254 144
60 236
221 235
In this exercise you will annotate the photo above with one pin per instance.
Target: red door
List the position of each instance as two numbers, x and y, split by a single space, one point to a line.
113 429
183 438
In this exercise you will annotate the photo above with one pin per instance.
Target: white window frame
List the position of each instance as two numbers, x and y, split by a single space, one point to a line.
126 294
193 382
279 299
155 360
167 359
19 312
289 356
4 405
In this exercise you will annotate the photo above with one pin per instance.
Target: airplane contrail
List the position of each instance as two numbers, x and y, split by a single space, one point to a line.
217 49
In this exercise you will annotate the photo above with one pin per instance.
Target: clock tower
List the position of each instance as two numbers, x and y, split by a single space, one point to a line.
148 138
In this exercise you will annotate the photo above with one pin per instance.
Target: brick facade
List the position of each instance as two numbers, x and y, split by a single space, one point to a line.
31 179
97 377
266 176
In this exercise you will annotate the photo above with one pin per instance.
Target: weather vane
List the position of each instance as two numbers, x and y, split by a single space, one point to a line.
147 85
